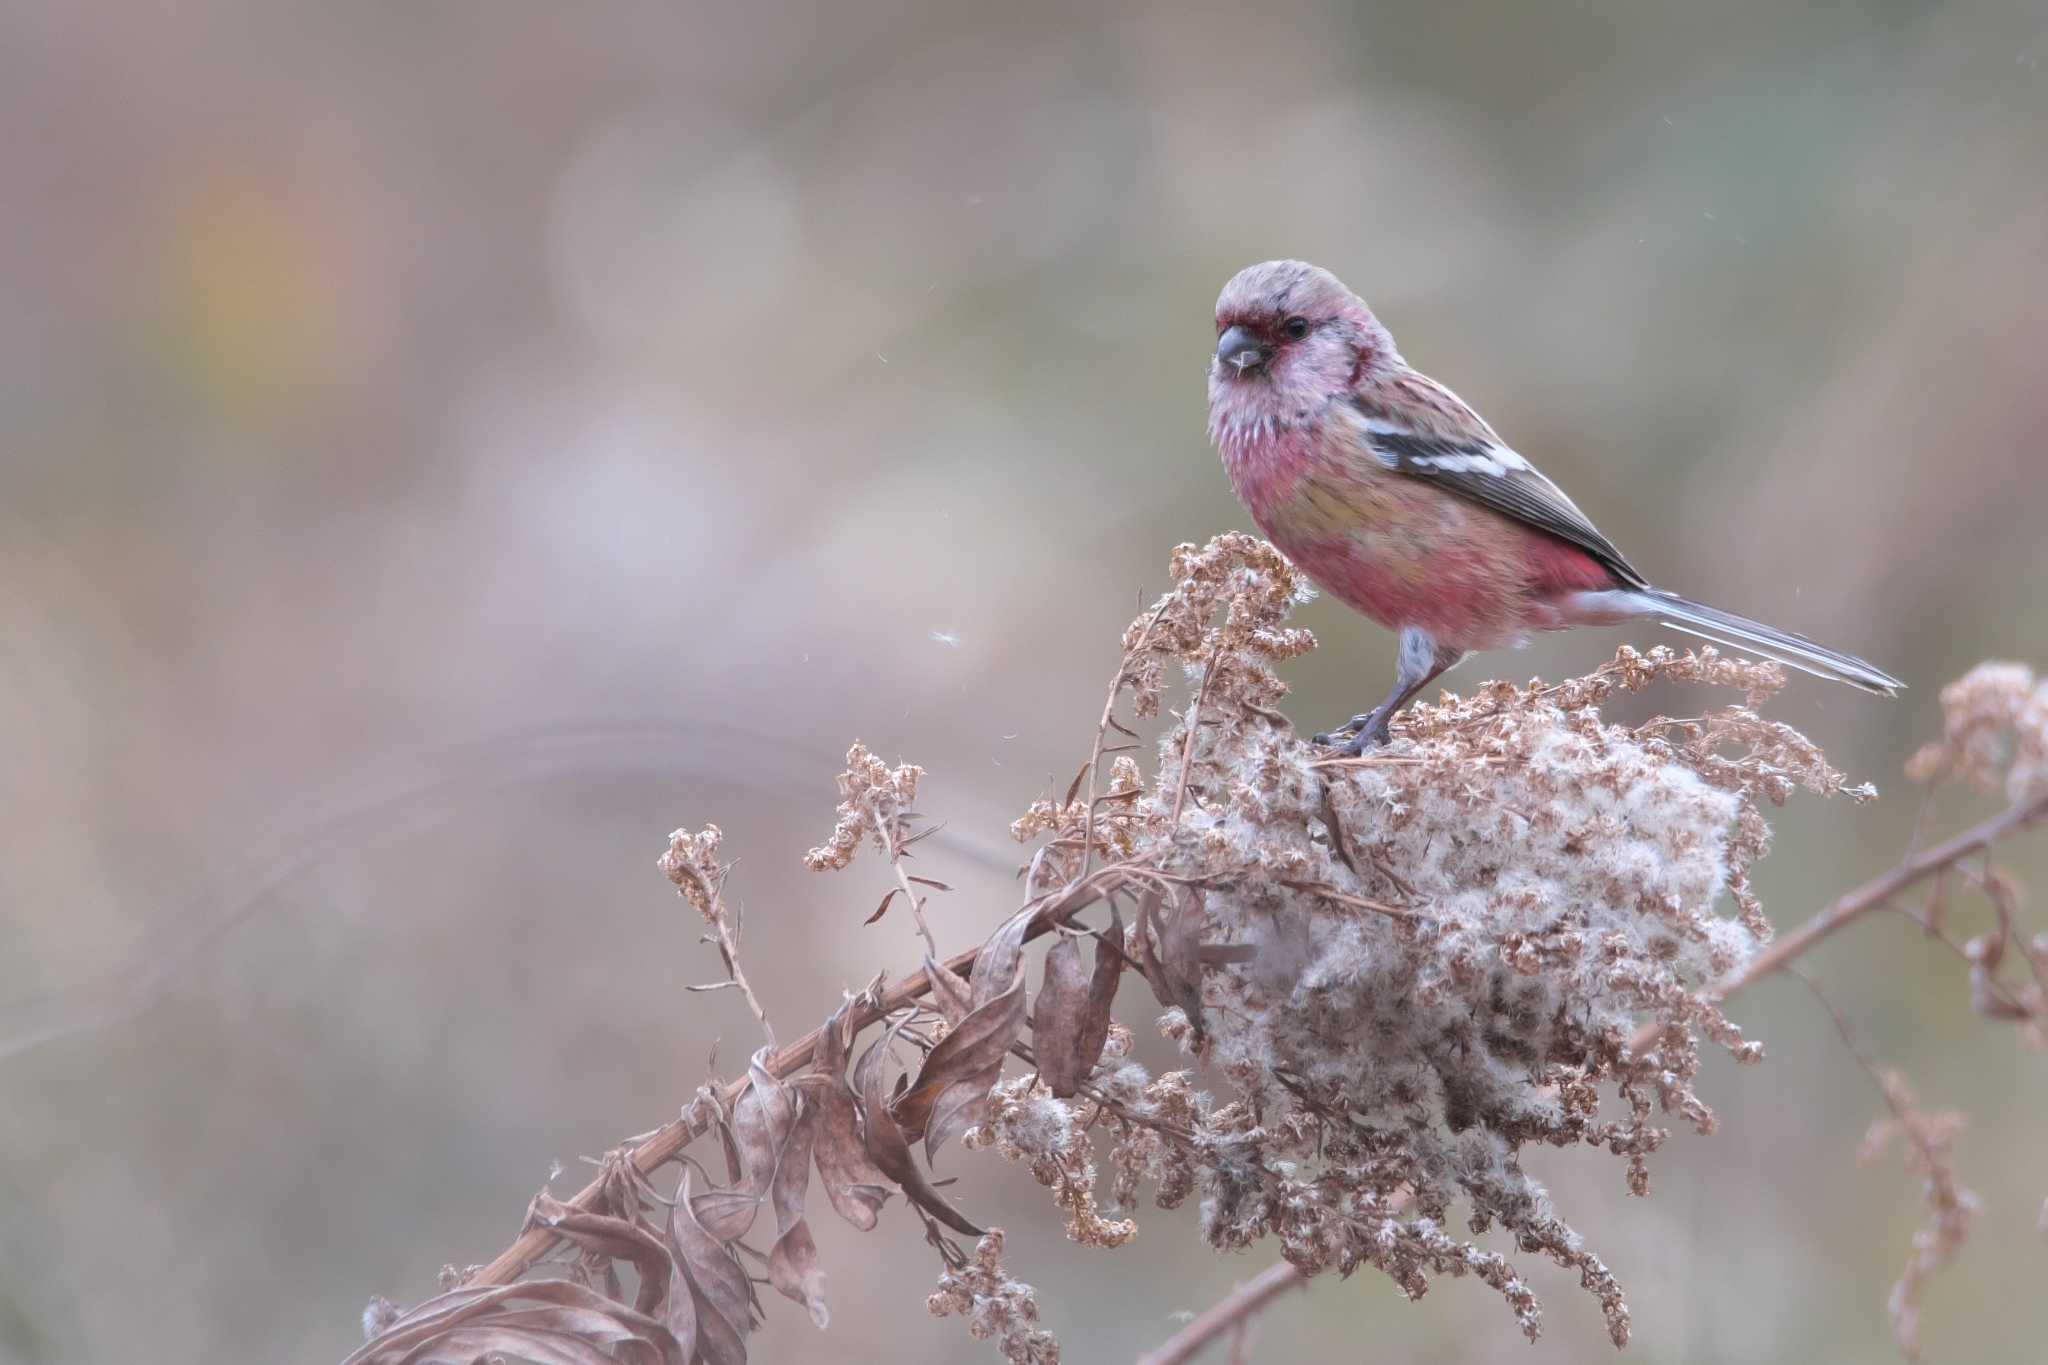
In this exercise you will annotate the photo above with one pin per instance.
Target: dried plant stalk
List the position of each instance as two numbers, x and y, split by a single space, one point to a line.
1407 969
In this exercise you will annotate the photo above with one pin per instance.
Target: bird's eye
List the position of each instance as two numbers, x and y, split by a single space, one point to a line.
1296 327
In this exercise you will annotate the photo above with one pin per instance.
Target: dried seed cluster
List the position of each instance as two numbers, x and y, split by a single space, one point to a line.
873 797
692 864
1929 1141
1994 733
995 1306
1413 966
1394 975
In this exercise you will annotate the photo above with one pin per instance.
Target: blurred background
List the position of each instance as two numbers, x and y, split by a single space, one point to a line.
445 447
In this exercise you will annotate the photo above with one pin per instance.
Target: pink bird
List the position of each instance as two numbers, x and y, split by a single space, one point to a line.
1401 501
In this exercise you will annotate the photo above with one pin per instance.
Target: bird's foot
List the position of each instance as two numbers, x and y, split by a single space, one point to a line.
1346 730
1355 736
1372 737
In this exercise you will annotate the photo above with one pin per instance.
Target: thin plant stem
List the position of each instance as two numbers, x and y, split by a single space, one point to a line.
1846 909
1225 1315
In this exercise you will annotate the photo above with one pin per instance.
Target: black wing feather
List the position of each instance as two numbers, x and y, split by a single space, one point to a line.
1518 490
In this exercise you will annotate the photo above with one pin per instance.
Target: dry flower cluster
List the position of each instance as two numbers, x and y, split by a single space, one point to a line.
1995 738
1390 978
1929 1141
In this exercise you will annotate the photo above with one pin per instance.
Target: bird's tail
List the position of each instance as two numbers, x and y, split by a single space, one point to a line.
1739 632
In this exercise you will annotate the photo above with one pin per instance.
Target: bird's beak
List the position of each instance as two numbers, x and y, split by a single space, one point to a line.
1240 351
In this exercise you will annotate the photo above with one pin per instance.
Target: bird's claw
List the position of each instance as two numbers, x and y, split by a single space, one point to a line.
1355 736
1350 727
1364 740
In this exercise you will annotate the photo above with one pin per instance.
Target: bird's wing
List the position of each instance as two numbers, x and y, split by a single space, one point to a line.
1474 464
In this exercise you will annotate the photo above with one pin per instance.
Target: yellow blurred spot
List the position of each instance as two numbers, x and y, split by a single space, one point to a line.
250 307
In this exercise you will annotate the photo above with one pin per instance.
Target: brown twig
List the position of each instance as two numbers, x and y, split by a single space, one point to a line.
1225 1314
887 828
1997 990
729 949
1116 687
1393 761
1331 893
1842 1031
722 922
667 1142
1912 870
1193 722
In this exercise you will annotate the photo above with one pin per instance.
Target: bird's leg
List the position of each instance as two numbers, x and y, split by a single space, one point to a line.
1420 661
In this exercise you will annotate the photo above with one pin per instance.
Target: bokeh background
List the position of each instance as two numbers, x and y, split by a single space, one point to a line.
444 447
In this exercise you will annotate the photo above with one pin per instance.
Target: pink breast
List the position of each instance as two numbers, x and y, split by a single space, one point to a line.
1401 550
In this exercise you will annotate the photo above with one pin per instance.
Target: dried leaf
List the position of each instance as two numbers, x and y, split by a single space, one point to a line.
1338 843
995 966
725 1301
1070 1017
941 1103
624 1187
611 1237
890 1150
929 881
793 1270
1074 787
735 1167
762 1121
726 1214
595 1271
719 1342
952 1086
959 1106
1148 956
493 1341
679 1309
950 991
470 1323
1174 967
881 909
793 1172
793 1260
854 1184
975 1046
1102 987
1056 1017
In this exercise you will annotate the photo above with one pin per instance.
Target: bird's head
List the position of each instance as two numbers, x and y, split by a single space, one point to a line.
1290 337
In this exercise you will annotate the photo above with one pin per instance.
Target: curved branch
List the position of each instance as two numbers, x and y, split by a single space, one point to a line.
1228 1312
665 1143
1872 895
